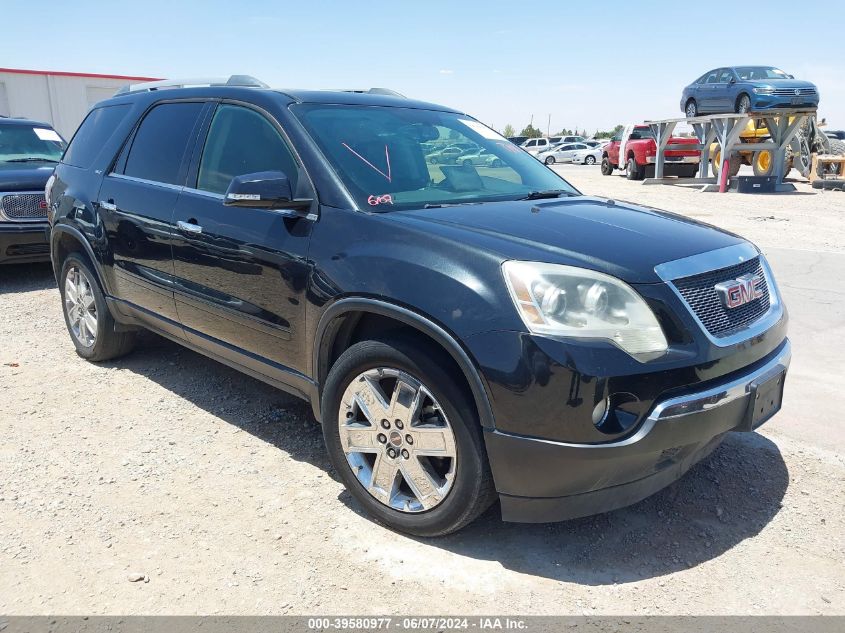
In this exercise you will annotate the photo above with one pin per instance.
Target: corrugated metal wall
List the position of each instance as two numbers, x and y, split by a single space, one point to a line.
63 101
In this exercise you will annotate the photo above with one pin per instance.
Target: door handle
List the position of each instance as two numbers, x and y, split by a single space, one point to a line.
108 205
189 227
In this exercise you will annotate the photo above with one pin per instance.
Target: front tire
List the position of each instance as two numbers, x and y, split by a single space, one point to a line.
550 160
606 167
743 104
691 109
590 160
88 320
405 439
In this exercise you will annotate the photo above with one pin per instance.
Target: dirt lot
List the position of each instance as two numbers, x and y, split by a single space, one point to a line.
216 488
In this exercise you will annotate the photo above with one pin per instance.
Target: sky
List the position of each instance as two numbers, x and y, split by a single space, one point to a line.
587 65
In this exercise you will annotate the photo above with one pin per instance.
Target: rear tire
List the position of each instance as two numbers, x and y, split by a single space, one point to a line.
691 109
590 160
632 170
87 317
405 502
550 160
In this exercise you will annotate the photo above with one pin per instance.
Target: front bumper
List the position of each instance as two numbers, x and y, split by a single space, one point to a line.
24 243
544 480
767 102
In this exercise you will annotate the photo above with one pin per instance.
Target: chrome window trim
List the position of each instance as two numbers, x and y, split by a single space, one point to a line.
144 181
714 260
203 192
6 218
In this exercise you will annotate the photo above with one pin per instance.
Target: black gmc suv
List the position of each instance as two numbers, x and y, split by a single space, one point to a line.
28 152
463 333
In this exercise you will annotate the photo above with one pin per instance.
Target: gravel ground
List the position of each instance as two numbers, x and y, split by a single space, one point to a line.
165 483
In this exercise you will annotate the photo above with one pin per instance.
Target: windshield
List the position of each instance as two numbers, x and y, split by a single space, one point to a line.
405 158
24 143
752 73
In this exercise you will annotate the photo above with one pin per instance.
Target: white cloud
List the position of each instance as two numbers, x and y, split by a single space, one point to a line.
446 71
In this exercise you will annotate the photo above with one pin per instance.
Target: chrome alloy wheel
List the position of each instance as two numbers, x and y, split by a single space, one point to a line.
80 307
397 440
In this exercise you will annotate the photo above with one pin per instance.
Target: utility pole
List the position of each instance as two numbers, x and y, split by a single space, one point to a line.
549 126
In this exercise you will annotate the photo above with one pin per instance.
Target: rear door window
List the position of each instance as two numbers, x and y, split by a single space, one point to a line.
92 135
158 149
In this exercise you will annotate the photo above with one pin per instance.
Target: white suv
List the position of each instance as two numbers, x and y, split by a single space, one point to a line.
535 145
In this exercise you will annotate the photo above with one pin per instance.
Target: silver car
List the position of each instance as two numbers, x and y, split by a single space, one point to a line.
588 156
562 153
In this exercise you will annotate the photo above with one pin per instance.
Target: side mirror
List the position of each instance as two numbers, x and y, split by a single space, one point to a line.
733 80
791 76
263 190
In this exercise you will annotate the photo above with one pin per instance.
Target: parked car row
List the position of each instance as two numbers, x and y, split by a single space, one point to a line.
586 153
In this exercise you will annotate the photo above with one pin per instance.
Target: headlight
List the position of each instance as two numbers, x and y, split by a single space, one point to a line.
580 303
764 91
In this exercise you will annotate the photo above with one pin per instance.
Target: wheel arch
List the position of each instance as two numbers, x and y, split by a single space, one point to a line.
351 316
65 240
742 93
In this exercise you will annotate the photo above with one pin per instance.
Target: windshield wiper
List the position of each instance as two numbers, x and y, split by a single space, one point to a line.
438 205
31 159
549 193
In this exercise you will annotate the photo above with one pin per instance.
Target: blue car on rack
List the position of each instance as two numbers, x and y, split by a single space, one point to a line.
746 89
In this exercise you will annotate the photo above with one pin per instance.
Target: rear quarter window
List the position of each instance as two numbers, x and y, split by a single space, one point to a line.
92 135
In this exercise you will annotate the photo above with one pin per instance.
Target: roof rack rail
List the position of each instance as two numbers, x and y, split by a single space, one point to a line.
233 80
374 91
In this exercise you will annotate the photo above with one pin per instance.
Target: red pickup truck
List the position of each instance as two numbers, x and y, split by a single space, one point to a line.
639 153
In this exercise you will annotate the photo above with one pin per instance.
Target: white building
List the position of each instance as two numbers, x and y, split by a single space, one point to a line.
61 99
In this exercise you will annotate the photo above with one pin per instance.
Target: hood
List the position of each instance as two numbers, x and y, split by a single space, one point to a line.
782 83
24 176
621 239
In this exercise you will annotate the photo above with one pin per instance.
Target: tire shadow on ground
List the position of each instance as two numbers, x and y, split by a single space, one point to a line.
262 410
26 277
727 498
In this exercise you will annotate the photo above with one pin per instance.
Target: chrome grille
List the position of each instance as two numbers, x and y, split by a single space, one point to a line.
23 206
790 92
699 292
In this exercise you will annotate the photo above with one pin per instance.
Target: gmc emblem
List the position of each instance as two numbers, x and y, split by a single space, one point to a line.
738 292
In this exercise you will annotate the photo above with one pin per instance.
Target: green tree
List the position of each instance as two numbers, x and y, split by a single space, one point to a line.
531 132
509 131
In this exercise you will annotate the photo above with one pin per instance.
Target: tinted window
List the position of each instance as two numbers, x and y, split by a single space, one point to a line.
711 78
242 141
160 143
725 76
92 135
